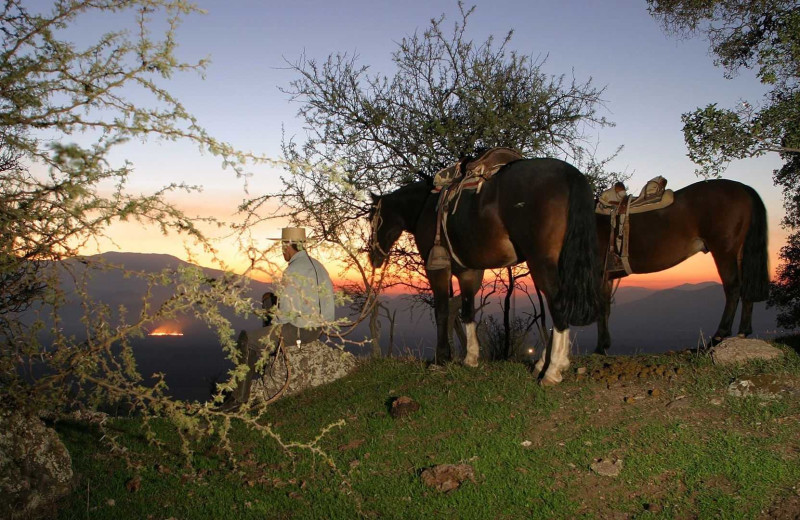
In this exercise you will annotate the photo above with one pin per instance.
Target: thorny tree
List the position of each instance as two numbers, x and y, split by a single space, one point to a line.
58 193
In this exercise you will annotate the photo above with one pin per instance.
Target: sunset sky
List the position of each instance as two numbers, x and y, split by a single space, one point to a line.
651 78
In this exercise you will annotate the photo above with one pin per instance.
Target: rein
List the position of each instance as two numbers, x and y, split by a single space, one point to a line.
376 223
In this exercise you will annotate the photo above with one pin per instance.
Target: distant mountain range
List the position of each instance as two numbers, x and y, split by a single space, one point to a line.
642 320
649 321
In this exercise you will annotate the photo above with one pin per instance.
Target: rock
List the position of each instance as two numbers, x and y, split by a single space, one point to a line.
403 406
35 467
764 386
447 477
606 467
313 364
742 350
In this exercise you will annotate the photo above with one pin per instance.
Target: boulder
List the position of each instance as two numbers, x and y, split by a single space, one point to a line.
35 467
741 350
312 364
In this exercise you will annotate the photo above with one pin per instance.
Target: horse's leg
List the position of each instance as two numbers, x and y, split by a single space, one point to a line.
603 333
555 357
558 359
728 268
440 285
469 282
746 321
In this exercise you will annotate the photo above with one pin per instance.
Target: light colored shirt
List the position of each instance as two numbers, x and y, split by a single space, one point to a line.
305 297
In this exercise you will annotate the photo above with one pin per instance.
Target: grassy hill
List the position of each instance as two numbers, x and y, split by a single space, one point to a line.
687 448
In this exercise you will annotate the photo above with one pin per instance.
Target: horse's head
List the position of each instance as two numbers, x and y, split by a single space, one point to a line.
386 227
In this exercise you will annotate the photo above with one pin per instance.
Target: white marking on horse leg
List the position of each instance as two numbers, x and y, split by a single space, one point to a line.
539 366
473 347
559 357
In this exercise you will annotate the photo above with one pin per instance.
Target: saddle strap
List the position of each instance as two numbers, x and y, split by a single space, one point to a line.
618 241
440 210
443 205
626 240
450 245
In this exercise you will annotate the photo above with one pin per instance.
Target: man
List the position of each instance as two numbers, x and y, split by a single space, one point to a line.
305 306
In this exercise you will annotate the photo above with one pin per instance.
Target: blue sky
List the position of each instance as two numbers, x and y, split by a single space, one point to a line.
651 78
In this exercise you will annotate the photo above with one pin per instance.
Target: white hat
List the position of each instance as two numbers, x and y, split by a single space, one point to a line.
292 234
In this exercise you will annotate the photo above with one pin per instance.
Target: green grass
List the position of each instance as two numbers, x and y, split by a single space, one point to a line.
732 459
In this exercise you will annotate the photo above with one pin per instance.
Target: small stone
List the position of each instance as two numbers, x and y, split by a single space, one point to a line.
403 406
526 443
111 502
678 404
764 386
134 484
716 401
607 468
581 371
447 477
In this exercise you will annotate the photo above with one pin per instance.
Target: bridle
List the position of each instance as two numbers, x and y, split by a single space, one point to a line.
377 220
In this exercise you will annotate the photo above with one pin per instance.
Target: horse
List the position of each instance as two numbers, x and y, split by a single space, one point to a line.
538 211
722 217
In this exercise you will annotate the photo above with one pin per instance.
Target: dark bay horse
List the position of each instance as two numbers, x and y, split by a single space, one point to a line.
721 217
539 211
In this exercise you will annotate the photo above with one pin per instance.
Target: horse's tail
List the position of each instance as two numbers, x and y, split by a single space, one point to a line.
578 271
755 262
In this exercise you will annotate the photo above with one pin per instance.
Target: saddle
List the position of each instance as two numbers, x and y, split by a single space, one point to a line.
653 196
616 203
450 183
479 169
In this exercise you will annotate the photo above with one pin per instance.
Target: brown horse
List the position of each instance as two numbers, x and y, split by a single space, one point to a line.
538 211
723 217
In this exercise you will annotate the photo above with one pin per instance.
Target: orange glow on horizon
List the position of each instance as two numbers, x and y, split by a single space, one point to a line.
166 330
132 236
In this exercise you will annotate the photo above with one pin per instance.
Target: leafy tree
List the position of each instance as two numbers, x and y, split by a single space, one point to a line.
785 292
448 97
764 36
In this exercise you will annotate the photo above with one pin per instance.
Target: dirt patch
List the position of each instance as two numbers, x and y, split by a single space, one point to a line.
785 508
623 370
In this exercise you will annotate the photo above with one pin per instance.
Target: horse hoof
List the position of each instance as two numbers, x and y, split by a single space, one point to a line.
546 382
471 362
